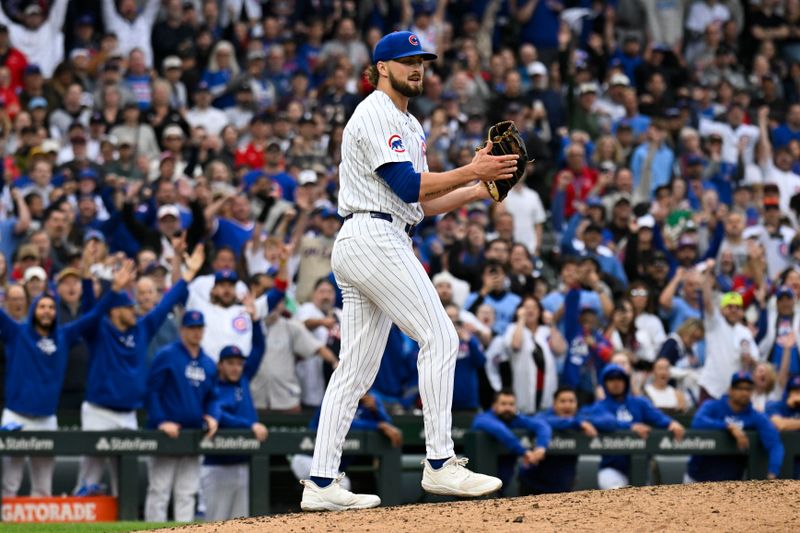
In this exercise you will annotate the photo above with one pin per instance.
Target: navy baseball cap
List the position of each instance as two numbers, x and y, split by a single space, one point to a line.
400 44
784 290
740 377
794 384
226 276
122 299
88 174
229 352
193 319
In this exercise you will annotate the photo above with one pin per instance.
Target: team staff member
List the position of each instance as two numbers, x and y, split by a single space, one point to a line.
36 360
556 473
632 413
386 188
180 395
116 386
785 414
501 421
734 413
225 479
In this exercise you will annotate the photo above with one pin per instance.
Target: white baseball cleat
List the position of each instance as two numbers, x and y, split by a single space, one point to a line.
334 497
454 479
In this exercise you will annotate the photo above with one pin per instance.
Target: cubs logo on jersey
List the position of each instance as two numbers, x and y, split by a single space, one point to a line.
46 345
195 374
240 324
396 144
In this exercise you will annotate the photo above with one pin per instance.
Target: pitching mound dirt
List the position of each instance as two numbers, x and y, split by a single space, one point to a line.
752 506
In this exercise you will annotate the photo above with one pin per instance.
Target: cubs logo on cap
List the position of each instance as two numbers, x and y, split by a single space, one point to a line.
740 377
224 276
400 44
230 352
193 319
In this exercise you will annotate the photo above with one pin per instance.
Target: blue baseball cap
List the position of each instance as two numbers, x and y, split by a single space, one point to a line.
226 276
400 44
122 299
94 234
193 319
794 384
88 174
229 352
740 377
784 290
37 102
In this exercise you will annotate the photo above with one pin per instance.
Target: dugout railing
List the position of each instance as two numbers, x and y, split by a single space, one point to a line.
128 446
484 451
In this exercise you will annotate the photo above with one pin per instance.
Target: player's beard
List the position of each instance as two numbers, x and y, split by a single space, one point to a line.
404 88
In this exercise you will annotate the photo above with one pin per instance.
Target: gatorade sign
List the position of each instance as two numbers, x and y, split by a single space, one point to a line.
60 509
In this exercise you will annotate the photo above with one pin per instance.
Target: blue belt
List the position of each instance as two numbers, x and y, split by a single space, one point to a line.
388 218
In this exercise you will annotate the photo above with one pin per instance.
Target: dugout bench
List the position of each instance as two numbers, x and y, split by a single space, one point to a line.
483 450
128 446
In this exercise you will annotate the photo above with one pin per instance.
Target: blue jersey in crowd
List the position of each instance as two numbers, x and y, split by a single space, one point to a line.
717 414
626 411
470 361
118 364
232 234
235 402
180 388
35 364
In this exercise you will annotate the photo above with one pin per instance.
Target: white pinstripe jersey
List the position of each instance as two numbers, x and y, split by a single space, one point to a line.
376 134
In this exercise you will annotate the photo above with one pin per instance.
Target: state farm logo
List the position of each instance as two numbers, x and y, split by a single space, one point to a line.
25 444
617 443
307 444
135 444
689 443
560 443
230 443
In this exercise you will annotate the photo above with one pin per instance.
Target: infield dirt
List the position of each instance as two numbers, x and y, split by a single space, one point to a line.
751 506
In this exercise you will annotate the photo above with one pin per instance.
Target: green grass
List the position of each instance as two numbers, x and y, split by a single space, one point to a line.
98 527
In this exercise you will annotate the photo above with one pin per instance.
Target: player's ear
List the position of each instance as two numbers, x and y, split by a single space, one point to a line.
383 68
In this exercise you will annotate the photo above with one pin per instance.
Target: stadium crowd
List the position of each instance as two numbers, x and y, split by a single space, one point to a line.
170 177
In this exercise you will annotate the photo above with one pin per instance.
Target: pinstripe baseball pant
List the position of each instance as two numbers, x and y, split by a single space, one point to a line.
382 281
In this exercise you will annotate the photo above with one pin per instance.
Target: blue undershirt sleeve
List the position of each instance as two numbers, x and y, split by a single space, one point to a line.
402 179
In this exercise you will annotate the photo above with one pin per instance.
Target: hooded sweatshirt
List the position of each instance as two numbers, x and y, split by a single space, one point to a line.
782 409
117 368
717 414
627 410
236 403
35 364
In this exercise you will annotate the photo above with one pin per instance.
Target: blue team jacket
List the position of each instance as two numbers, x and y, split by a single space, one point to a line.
782 409
470 361
235 402
180 388
556 473
35 365
626 412
501 430
715 414
118 364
